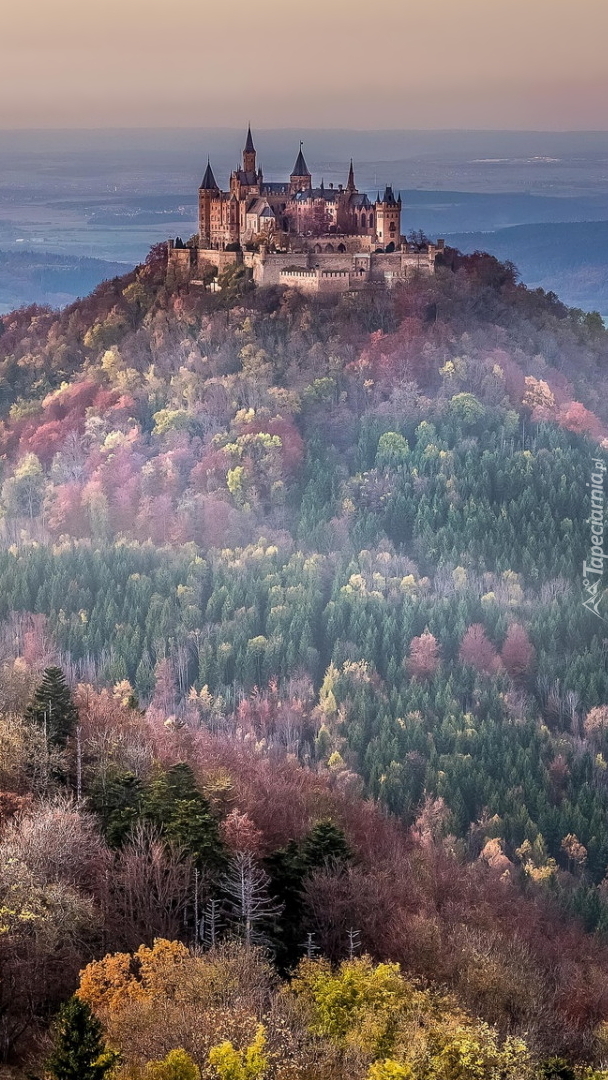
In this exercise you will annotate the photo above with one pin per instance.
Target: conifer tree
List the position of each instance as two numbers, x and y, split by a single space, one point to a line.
79 1052
173 803
52 708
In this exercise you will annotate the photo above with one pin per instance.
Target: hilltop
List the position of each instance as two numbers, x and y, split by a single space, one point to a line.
324 555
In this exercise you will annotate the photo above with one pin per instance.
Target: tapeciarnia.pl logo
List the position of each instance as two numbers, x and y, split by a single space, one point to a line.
593 570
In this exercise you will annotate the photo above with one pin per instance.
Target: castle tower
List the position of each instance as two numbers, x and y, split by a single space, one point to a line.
388 218
249 153
300 179
350 183
207 192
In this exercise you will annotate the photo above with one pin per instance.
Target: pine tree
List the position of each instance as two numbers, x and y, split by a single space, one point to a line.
325 845
173 803
52 708
79 1052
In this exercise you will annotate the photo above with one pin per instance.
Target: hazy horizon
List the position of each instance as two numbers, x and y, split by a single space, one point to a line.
510 65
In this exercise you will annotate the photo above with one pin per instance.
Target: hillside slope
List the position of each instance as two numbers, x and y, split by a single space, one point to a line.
325 544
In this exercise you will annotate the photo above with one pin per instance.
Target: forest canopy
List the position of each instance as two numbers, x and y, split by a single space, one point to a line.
298 694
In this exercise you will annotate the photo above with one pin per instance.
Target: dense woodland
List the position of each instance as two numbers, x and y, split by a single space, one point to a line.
303 724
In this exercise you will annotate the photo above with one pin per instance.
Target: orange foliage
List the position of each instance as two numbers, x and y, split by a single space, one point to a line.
121 978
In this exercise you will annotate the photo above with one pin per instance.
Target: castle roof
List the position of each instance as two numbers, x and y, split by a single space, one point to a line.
328 194
300 168
247 178
359 201
350 183
260 207
274 188
249 147
389 196
208 182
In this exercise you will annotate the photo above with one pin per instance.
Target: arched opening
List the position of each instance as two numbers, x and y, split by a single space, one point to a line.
363 221
390 248
341 247
318 248
329 248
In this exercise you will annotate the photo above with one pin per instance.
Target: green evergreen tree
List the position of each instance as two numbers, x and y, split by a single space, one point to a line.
173 803
324 846
118 802
52 708
79 1052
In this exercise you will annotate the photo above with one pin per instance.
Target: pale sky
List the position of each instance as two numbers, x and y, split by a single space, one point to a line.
539 64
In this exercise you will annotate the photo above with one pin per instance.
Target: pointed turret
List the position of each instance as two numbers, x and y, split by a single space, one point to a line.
208 182
300 179
249 153
300 168
207 195
350 183
388 219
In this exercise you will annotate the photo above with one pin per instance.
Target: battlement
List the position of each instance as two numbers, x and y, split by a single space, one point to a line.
309 271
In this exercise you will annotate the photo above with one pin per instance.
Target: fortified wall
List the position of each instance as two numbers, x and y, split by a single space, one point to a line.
310 271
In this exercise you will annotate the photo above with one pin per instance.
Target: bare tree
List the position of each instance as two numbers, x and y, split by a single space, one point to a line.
249 907
151 889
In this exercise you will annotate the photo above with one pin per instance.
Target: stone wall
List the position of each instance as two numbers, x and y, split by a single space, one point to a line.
309 270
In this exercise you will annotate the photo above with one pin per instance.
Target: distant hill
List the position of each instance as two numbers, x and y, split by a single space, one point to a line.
569 258
28 277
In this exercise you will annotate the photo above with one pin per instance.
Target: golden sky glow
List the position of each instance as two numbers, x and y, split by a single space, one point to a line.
307 63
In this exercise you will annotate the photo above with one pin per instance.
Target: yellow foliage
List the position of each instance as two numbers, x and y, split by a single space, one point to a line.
404 1032
177 1065
248 1064
388 1069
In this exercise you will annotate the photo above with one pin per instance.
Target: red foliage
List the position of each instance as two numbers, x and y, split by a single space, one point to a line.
477 651
240 834
423 659
66 513
518 652
575 417
12 806
45 440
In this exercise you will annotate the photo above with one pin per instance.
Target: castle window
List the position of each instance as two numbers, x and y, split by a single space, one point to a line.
363 221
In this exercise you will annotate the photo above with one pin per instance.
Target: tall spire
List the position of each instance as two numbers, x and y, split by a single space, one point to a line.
350 183
249 153
208 182
300 168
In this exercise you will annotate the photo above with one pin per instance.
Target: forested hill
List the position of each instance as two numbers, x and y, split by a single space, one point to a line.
343 537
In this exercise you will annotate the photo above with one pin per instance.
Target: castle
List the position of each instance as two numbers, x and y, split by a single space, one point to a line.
317 239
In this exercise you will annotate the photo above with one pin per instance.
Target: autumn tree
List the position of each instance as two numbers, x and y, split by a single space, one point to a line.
177 1065
518 652
477 651
423 658
251 1063
23 492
